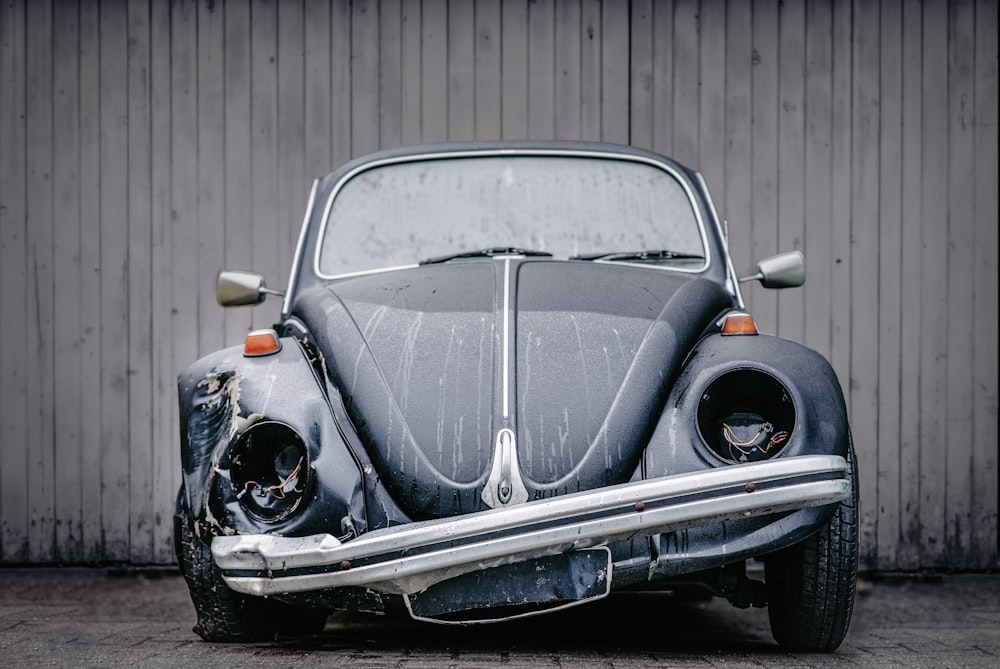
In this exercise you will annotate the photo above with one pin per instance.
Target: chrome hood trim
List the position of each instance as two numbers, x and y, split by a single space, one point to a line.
406 559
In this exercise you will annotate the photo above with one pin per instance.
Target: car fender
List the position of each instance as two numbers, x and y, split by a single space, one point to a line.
224 394
677 446
821 425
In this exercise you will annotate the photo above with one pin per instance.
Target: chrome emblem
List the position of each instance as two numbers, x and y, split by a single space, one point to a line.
505 487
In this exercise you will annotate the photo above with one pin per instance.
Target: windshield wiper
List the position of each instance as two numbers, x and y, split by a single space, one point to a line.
486 253
639 256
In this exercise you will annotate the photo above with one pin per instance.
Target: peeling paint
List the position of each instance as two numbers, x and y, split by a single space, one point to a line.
222 389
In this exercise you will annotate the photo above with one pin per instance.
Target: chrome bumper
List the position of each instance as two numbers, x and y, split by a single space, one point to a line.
406 559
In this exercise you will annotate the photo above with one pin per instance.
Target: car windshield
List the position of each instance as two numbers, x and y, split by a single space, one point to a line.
592 208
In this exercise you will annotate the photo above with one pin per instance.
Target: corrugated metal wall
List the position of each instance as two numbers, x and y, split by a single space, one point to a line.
145 144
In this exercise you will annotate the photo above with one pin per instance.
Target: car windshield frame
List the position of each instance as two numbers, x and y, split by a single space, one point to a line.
685 184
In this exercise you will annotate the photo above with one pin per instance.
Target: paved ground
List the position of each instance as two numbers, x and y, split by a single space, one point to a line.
91 617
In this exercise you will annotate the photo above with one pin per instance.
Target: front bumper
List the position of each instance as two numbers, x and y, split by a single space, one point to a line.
406 559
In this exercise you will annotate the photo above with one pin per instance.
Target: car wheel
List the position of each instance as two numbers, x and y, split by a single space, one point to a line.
225 615
811 585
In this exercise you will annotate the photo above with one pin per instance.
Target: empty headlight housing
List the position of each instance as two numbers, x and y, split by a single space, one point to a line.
269 470
746 415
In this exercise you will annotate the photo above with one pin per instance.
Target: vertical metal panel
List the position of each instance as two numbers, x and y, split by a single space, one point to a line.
984 539
889 312
736 197
764 146
541 65
984 316
264 229
340 82
38 320
934 284
364 91
909 537
66 274
816 169
115 509
13 283
840 218
566 61
712 97
686 81
144 144
211 207
514 70
164 363
180 222
434 71
90 283
238 141
488 79
390 75
293 186
791 157
864 249
663 68
960 275
317 93
591 93
641 110
461 71
614 72
143 506
410 88
180 228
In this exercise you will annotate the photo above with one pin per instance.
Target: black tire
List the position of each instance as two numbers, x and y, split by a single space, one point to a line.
811 585
223 614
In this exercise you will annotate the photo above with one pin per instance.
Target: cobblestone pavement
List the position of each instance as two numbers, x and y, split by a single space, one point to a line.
93 617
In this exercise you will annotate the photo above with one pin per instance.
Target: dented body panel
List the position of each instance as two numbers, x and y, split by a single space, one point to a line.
221 396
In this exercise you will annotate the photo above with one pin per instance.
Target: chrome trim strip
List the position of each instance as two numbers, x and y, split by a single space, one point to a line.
572 153
409 558
379 270
506 336
286 302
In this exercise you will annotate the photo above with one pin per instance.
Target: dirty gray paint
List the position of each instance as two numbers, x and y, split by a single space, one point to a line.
144 144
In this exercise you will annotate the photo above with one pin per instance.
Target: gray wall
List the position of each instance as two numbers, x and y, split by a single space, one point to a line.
145 144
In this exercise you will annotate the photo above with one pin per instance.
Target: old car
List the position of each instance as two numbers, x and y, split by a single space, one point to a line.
510 378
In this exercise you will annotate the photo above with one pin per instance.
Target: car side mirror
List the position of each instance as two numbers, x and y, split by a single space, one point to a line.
234 288
785 270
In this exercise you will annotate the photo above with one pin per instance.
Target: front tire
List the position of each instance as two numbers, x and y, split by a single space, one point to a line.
811 585
223 614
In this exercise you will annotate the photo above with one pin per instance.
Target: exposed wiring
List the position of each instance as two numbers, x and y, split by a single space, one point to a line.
280 486
736 441
278 490
746 446
246 488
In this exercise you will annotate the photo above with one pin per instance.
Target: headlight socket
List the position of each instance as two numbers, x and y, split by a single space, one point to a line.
746 415
269 470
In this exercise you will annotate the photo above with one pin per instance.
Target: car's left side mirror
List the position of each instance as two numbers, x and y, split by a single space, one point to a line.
234 288
785 270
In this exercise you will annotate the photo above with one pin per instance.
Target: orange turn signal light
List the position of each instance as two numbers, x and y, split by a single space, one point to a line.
739 324
261 342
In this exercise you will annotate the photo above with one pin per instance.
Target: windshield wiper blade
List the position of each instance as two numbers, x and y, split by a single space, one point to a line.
486 253
639 256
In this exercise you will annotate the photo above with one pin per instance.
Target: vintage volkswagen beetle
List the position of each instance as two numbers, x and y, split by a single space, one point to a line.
510 378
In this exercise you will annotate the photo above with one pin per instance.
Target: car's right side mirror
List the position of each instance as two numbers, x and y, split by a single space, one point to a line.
785 270
234 288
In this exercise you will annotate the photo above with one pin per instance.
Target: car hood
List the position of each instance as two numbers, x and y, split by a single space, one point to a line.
543 375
